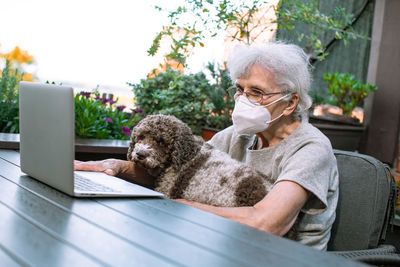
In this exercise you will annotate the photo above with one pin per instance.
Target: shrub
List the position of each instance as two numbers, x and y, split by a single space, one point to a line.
172 93
96 117
9 109
218 95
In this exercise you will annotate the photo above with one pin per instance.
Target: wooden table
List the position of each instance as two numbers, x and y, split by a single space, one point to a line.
41 226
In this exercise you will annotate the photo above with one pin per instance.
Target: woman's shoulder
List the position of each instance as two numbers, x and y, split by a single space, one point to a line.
228 140
308 133
222 136
305 141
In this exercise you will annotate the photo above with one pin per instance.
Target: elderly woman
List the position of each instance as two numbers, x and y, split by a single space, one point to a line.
270 132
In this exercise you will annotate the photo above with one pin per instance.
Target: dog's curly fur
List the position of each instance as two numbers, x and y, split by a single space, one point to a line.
187 167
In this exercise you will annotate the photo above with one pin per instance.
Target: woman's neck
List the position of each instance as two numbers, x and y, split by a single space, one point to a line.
278 131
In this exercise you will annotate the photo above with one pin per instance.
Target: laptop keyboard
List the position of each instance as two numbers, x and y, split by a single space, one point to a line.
84 184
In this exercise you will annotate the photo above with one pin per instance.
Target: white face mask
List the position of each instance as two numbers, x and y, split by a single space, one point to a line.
250 118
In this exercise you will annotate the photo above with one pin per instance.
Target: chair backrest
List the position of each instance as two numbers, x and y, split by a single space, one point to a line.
366 202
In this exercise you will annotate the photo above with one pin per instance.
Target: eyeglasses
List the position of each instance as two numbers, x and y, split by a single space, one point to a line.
253 94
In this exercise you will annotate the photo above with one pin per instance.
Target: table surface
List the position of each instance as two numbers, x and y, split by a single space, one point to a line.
41 226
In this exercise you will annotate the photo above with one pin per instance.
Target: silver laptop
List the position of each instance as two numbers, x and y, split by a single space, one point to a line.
47 149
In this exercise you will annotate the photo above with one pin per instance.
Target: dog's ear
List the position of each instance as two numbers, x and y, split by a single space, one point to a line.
185 147
177 156
131 145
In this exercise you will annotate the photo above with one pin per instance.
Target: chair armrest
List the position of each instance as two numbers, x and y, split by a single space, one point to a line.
382 255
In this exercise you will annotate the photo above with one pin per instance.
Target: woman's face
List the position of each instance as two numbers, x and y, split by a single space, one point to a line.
262 80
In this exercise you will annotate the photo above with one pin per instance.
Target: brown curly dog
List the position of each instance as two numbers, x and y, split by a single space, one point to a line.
187 167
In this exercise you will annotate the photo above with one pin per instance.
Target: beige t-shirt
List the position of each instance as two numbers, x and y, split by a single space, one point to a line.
304 157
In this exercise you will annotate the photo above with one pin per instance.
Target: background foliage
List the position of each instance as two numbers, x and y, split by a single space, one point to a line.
172 93
9 109
315 25
218 95
11 74
96 117
195 20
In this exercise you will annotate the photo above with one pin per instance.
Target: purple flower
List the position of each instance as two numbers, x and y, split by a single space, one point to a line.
85 94
121 108
139 111
108 120
110 101
126 130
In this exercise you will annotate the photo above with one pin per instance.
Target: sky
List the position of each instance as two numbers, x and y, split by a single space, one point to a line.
88 43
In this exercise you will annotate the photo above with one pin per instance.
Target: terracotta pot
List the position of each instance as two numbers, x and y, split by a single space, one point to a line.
208 133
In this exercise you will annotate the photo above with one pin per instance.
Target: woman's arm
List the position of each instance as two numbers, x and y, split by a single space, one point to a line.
126 170
275 213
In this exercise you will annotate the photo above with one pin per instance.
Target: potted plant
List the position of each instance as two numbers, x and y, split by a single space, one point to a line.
102 129
345 95
96 117
346 92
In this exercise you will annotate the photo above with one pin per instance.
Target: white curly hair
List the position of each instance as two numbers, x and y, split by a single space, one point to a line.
287 62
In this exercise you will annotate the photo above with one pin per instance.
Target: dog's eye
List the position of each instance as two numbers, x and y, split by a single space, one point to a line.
161 141
139 137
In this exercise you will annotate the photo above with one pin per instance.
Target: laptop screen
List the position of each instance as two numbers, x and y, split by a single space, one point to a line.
47 133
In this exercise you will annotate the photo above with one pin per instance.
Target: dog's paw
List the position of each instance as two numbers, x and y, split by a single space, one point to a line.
151 171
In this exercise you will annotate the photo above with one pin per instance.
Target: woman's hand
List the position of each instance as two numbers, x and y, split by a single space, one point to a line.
126 170
109 166
187 202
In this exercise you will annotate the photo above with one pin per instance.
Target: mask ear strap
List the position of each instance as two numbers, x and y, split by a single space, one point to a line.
277 100
275 118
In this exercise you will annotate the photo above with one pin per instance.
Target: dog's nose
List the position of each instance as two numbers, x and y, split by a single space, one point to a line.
141 155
